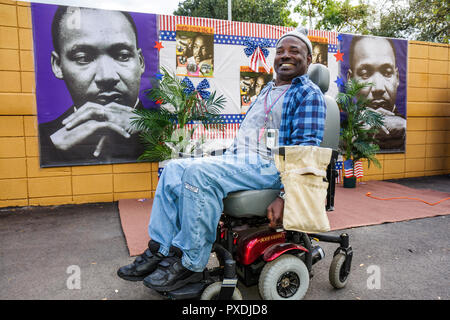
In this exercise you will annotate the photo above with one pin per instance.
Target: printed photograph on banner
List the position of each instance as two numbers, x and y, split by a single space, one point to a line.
93 67
251 84
194 51
380 62
319 50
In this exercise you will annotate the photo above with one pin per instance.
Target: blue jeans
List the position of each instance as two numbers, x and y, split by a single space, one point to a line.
188 201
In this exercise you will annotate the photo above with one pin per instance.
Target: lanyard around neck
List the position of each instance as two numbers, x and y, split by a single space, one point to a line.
268 110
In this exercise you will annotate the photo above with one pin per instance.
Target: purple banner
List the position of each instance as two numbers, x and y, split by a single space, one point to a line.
92 67
381 62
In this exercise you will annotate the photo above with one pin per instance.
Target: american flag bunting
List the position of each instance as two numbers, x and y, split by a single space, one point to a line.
234 32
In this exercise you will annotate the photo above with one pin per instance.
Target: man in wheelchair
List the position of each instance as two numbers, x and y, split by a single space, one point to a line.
189 198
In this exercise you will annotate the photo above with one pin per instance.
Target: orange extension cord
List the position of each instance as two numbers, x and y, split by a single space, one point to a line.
431 204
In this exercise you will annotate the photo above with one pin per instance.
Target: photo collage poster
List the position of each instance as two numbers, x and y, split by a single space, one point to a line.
194 51
251 84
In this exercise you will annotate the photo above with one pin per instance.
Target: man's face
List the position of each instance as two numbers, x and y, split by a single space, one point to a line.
374 62
291 59
99 60
199 48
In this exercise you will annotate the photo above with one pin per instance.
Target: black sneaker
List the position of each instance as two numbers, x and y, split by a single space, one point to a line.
171 275
143 265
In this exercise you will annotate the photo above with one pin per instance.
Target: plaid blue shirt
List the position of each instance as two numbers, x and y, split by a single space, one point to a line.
303 116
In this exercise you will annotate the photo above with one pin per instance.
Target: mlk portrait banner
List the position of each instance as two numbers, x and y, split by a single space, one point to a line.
93 67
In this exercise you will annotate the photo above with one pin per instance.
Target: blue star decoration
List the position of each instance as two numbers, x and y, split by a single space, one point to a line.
339 37
159 76
340 82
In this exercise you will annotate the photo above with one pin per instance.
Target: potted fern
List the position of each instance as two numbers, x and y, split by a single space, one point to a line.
359 124
163 129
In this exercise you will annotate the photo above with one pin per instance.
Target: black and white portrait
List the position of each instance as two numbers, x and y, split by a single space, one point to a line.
381 63
96 54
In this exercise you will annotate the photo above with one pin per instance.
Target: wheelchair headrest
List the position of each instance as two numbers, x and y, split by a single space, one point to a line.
320 75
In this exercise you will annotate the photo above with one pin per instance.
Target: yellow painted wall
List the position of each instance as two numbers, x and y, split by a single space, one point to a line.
24 183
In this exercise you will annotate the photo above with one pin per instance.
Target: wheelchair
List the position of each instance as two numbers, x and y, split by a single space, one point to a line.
278 261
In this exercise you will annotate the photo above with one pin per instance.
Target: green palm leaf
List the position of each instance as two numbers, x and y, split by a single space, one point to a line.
158 127
357 139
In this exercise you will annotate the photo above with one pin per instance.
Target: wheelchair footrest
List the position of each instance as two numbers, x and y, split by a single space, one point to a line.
189 291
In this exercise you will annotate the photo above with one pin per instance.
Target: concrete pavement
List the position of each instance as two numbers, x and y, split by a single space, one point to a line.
44 250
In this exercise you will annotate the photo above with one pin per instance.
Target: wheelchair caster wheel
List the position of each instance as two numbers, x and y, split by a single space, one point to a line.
212 291
284 278
337 275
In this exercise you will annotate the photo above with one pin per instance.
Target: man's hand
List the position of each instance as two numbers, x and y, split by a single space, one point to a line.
275 213
89 119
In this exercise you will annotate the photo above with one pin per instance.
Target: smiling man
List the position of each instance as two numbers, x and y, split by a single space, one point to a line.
189 197
97 55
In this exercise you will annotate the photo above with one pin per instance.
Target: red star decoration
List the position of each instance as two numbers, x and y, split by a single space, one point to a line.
338 56
158 45
159 101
